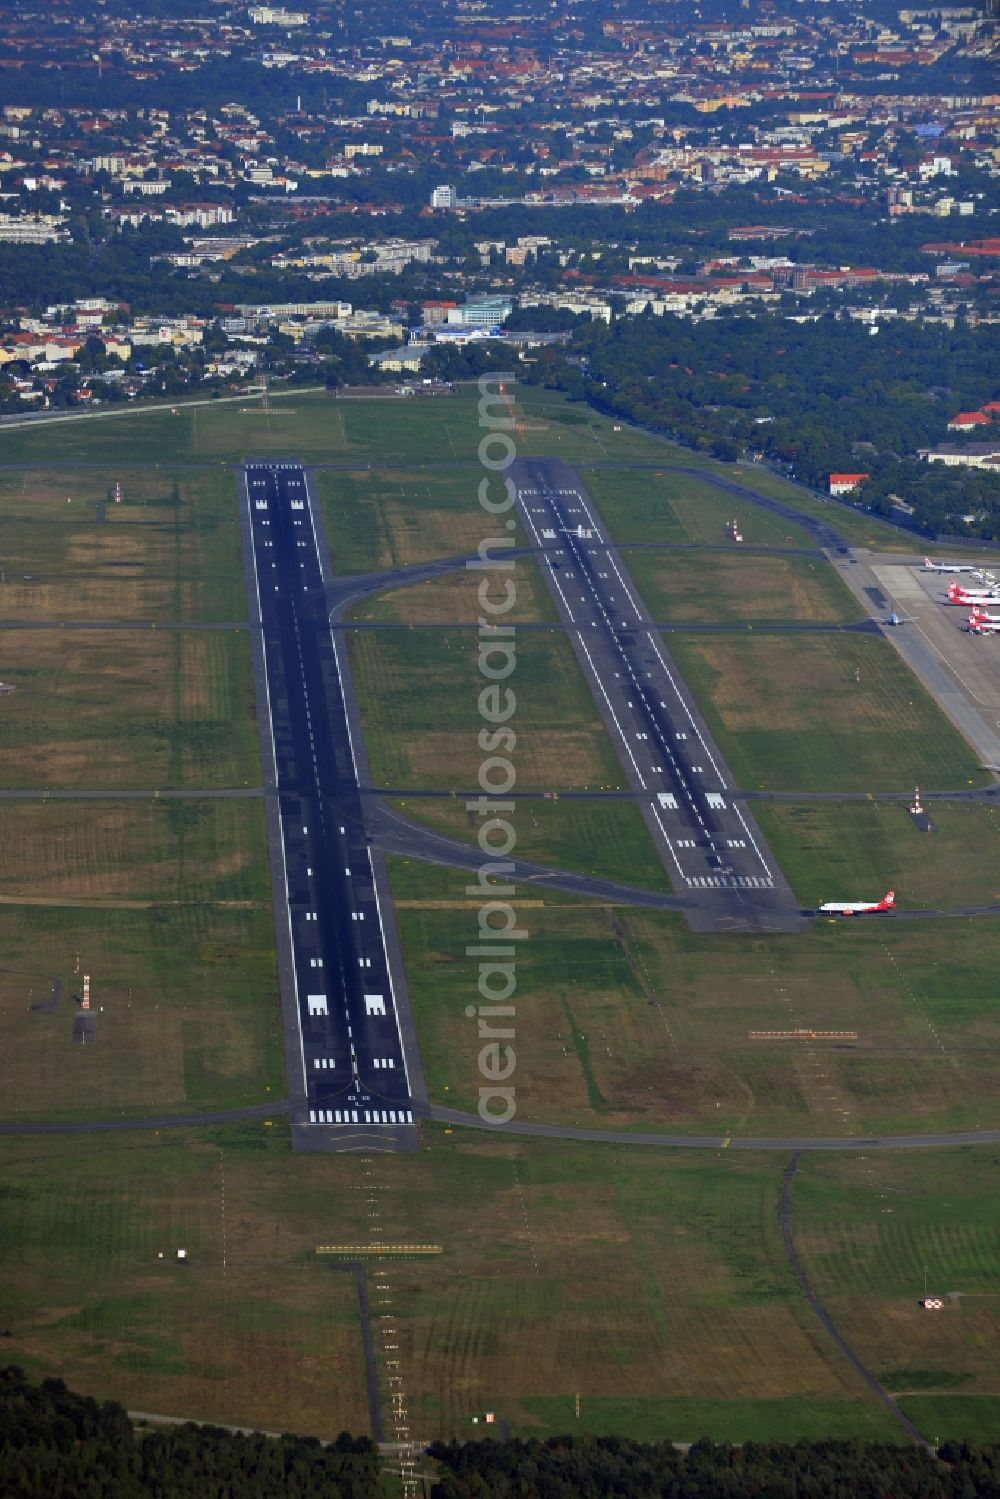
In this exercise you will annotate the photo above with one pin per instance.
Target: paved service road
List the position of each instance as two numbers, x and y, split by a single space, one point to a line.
458 1117
710 847
341 982
444 1115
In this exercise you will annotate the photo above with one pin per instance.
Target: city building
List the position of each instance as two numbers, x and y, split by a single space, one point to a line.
486 312
846 483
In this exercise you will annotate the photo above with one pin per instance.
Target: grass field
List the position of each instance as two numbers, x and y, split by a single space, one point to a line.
625 1018
606 838
252 1324
648 1283
869 1229
453 599
651 1284
654 1286
169 551
822 713
732 588
316 428
184 998
641 504
127 710
857 846
383 519
749 1420
157 851
419 692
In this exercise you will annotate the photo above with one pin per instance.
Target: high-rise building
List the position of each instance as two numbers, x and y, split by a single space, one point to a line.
444 196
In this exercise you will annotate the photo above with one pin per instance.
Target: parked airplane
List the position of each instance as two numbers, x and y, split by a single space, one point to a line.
959 595
860 907
948 567
983 624
981 617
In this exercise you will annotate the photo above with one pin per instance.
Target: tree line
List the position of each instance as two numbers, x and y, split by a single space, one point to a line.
55 1444
617 1468
813 397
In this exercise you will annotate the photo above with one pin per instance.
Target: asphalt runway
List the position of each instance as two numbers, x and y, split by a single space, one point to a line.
339 969
711 849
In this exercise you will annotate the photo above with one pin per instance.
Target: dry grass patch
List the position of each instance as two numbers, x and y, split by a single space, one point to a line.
741 679
383 519
420 537
126 709
419 693
169 851
110 572
454 599
170 550
822 712
548 758
734 588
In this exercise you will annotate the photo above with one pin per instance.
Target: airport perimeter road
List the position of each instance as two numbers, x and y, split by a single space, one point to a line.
341 980
710 846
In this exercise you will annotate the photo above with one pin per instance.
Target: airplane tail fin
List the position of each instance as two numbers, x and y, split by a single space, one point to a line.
888 901
928 562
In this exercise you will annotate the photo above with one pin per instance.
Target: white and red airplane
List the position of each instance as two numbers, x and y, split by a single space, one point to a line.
948 567
959 595
981 617
860 907
983 624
